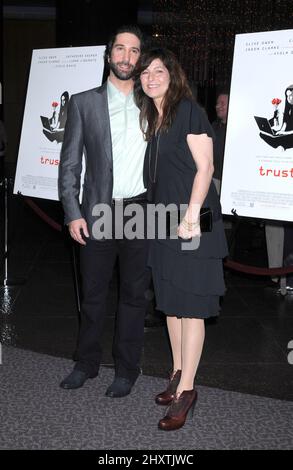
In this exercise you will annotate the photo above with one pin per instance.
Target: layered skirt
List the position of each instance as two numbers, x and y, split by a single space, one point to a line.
189 283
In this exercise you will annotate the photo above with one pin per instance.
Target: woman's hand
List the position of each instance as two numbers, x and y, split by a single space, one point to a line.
190 224
187 233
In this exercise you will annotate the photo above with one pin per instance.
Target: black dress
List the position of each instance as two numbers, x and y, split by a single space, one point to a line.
187 283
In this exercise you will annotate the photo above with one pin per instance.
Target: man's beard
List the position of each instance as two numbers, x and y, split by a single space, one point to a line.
119 73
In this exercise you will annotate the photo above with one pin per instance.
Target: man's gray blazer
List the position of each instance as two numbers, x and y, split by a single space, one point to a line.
87 130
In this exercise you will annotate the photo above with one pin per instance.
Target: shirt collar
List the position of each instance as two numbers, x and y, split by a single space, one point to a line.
113 93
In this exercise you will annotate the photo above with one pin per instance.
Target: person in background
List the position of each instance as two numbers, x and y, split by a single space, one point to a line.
178 170
274 234
219 127
288 255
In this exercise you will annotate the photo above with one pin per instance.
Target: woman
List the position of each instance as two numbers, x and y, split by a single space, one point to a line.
178 169
62 118
58 123
283 138
287 126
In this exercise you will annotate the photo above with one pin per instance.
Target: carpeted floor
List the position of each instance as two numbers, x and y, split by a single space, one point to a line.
37 414
245 377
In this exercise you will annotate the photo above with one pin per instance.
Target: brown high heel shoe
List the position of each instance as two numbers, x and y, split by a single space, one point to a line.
178 411
166 397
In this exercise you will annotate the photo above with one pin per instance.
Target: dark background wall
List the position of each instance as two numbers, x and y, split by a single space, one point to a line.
83 23
200 32
26 26
31 34
29 25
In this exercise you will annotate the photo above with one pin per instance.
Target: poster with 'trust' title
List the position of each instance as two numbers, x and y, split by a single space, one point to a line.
55 75
257 176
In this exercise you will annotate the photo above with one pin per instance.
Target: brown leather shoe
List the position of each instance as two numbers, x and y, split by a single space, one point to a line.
166 397
178 411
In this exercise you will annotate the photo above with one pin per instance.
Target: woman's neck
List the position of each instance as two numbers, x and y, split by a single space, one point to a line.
159 122
158 102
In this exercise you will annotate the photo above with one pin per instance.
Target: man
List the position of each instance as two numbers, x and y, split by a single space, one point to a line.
104 123
219 127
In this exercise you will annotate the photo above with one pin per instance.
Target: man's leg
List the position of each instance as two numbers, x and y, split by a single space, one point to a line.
133 301
97 260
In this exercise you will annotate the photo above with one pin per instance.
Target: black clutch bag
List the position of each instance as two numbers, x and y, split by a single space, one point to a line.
206 219
173 219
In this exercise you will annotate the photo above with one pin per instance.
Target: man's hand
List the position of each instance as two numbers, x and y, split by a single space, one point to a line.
76 227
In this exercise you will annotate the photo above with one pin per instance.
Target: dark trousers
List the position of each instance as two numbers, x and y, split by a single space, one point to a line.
97 261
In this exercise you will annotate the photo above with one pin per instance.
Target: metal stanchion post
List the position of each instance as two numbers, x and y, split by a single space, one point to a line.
5 231
7 281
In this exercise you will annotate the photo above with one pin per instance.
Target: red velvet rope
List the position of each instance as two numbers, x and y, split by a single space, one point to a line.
42 214
244 268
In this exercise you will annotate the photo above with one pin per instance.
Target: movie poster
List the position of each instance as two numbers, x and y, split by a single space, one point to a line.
55 75
258 163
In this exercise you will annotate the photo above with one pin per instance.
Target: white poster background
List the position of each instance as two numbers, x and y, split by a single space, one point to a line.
257 178
53 71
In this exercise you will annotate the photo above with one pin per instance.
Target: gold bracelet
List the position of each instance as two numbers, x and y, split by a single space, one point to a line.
189 225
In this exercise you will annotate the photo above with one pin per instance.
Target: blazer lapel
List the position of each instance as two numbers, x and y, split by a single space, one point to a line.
102 114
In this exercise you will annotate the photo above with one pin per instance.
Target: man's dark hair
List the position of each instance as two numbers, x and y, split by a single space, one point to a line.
132 29
223 91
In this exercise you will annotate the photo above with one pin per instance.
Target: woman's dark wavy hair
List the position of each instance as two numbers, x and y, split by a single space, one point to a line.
66 96
178 89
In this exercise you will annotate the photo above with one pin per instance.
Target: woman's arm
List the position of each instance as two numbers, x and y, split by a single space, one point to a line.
201 147
282 129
